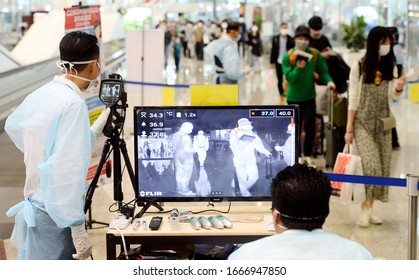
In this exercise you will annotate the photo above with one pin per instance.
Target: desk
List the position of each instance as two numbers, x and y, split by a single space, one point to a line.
239 233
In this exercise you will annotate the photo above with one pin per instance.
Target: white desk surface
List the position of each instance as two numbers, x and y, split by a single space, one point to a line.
237 211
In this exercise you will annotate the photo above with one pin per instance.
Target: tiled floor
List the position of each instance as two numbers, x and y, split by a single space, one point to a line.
388 241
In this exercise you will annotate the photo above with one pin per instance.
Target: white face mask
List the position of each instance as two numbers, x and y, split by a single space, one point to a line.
283 31
301 44
61 65
236 39
254 28
317 33
384 50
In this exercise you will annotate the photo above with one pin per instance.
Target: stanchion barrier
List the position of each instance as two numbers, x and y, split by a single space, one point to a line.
199 95
156 84
367 180
412 191
152 93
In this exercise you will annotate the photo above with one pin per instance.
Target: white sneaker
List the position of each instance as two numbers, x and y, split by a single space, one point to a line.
364 218
374 219
306 160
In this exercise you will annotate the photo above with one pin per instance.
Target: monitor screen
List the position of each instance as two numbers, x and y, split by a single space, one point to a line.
212 153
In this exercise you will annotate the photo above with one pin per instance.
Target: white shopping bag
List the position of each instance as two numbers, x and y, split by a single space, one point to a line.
349 162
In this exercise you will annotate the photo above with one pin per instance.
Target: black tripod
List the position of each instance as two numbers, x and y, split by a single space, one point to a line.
119 146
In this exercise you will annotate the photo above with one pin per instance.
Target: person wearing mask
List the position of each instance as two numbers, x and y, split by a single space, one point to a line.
300 74
198 33
255 46
52 128
226 57
244 142
201 145
177 50
189 40
242 41
300 206
280 45
373 84
183 155
317 39
167 41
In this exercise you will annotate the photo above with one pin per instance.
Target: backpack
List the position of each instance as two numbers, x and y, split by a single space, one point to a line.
339 71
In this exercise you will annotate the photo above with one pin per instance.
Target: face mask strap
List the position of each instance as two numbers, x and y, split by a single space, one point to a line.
61 64
79 77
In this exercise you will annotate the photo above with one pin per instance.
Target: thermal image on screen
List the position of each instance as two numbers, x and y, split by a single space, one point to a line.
197 153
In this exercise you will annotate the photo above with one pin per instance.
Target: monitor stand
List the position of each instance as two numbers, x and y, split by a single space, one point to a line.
146 206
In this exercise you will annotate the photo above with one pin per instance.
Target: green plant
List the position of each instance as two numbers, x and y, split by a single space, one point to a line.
354 34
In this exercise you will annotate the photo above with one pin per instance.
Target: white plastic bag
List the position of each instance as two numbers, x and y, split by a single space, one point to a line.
349 162
322 100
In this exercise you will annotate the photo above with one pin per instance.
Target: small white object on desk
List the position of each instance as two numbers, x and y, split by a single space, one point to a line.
121 222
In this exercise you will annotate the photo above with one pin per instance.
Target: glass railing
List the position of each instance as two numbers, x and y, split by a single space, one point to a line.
16 84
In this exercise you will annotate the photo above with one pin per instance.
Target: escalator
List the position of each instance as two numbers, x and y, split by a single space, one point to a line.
17 83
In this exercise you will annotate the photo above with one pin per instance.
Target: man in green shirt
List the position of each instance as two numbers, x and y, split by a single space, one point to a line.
302 66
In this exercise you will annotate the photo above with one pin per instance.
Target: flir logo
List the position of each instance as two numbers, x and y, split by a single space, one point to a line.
143 193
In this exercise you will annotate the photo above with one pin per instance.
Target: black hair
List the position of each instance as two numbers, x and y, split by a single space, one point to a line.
233 25
79 46
370 62
395 32
301 195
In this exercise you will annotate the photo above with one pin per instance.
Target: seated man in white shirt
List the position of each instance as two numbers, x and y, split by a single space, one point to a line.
300 205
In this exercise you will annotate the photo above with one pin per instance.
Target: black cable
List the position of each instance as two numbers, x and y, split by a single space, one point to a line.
213 210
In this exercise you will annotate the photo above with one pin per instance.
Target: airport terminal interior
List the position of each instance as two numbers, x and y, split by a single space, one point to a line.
258 87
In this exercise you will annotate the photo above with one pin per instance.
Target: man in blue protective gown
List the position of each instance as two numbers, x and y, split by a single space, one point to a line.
52 128
225 56
300 205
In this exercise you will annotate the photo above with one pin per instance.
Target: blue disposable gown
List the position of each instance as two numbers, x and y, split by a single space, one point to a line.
52 128
227 51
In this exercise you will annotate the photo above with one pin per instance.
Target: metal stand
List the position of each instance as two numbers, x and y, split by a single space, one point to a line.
90 221
412 192
119 146
113 132
148 205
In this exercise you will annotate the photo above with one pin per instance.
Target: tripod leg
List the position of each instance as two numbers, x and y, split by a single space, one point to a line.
93 184
124 152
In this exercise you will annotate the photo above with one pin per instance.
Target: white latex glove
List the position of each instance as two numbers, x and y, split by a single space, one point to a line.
99 124
81 242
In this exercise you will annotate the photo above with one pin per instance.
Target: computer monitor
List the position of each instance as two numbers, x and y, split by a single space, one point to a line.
212 153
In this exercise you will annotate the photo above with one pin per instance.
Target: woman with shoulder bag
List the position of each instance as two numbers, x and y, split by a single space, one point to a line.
373 84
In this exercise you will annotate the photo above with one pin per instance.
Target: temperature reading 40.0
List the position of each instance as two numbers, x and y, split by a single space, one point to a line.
285 113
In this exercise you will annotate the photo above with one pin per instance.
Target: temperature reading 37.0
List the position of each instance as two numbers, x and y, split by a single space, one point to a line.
281 113
255 113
